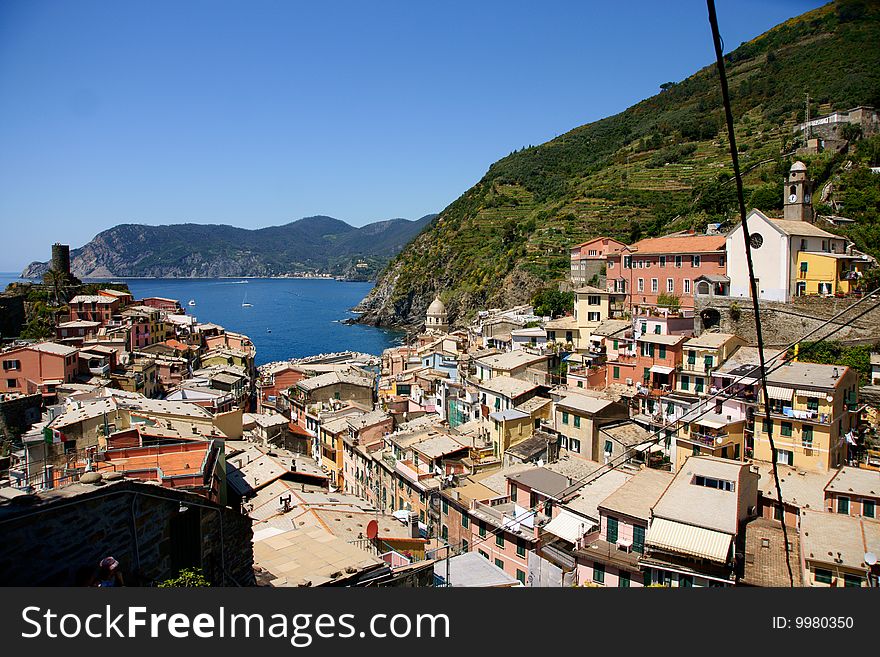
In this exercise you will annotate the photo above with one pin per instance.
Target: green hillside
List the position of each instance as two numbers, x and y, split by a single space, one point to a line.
661 165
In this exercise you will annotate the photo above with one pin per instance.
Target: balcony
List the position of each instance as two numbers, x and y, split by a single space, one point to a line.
689 366
99 370
708 439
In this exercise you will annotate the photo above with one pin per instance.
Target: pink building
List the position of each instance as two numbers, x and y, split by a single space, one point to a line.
93 308
588 258
610 557
161 303
38 368
667 265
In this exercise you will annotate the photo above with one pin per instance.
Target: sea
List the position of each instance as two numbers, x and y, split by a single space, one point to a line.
286 318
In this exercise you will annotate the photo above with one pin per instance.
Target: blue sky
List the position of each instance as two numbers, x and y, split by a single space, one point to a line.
258 113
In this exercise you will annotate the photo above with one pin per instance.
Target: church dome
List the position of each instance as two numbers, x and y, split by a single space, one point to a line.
436 307
798 166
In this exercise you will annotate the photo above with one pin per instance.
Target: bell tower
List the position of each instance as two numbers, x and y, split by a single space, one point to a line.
798 194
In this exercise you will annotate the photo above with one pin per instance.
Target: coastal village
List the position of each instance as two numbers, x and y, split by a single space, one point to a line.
625 444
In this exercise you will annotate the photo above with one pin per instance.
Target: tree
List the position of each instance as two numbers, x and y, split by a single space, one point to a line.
186 578
57 280
665 300
552 302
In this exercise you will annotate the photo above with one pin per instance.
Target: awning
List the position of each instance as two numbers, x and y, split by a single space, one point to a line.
688 539
815 394
775 392
712 424
568 526
661 369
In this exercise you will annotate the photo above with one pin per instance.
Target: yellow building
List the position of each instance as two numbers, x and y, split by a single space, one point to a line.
811 413
701 356
592 306
511 427
710 435
828 273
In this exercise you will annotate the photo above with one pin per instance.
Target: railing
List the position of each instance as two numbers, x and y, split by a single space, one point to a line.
561 557
705 438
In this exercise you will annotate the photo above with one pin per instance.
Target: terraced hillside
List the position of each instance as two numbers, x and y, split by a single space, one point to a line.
661 165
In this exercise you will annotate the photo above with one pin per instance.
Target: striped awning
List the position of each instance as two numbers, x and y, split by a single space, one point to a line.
687 539
815 394
775 392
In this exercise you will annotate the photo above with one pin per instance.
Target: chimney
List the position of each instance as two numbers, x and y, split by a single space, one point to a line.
413 524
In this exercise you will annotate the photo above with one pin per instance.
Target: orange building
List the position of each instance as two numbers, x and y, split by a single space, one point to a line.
38 368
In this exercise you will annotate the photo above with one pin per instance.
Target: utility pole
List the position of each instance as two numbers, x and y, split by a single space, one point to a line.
808 132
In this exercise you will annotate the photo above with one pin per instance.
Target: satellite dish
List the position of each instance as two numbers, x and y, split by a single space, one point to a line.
372 529
870 558
829 398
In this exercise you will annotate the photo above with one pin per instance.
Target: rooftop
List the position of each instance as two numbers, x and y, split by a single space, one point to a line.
473 570
711 508
510 360
679 244
765 555
709 340
591 495
584 403
507 386
834 538
857 481
541 480
636 497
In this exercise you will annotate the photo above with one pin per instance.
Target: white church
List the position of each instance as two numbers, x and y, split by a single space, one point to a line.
791 256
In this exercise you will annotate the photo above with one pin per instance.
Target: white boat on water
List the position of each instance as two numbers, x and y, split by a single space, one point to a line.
244 302
192 302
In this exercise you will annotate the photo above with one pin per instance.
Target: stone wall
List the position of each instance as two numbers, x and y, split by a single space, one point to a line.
58 537
17 414
783 323
12 315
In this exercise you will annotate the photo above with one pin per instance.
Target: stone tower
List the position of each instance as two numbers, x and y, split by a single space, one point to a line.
436 319
798 194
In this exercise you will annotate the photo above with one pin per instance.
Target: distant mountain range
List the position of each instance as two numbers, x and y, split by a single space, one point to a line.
315 243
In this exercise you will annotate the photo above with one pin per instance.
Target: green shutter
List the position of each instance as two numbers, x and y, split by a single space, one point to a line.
612 530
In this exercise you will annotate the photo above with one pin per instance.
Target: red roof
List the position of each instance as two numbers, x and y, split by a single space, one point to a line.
680 244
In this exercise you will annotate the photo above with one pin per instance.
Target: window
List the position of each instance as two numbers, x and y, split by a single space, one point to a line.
609 447
654 285
465 520
564 417
499 540
513 493
812 404
786 429
520 548
483 554
670 285
627 262
623 580
711 482
686 581
499 563
777 512
807 437
464 545
695 261
687 286
444 532
612 530
575 445
11 383
852 581
641 285
638 539
616 372
786 457
869 509
577 422
482 530
767 426
594 317
599 573
662 261
11 364
843 505
593 300
521 576
662 351
685 381
445 508
822 576
678 261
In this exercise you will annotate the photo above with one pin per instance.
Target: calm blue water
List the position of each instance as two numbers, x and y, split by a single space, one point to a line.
303 315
